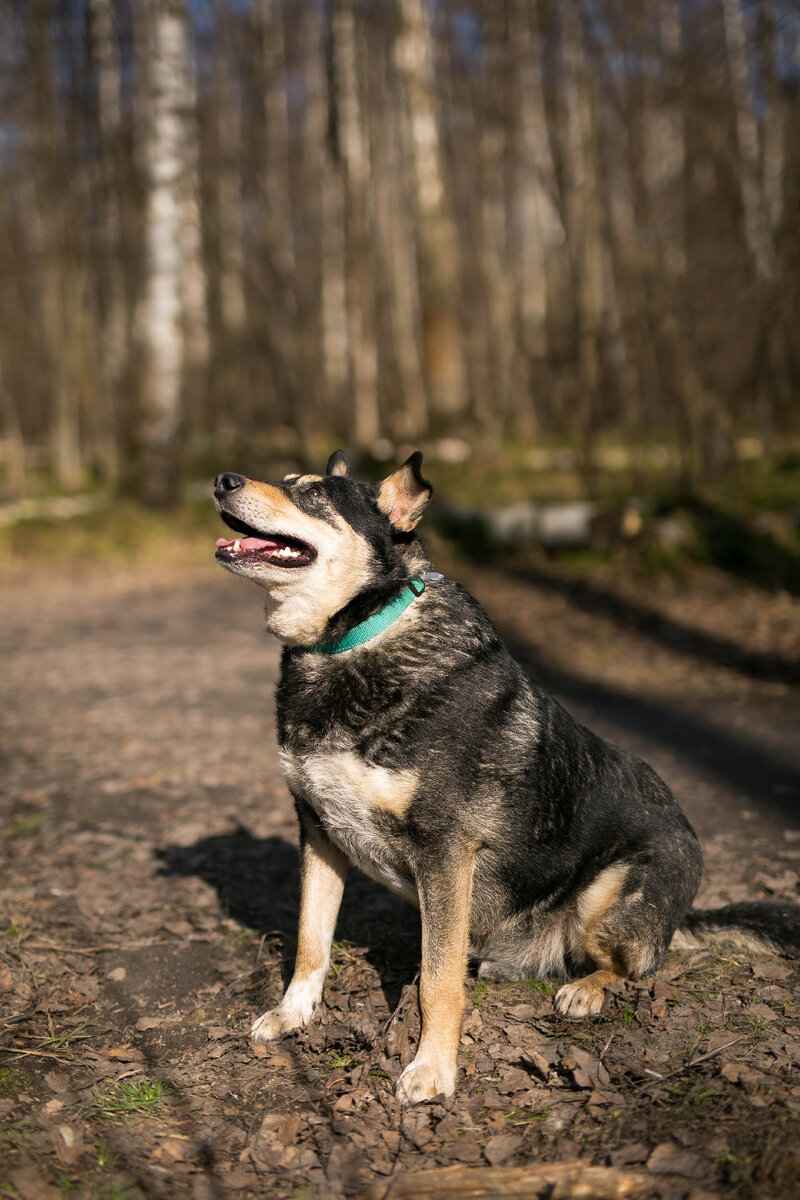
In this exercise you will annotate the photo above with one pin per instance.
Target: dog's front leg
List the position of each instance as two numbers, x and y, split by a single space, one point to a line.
323 871
445 897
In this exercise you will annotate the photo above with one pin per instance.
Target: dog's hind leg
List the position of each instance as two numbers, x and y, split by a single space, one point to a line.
445 895
324 869
624 921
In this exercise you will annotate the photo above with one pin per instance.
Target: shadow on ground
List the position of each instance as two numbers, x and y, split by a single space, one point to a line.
760 776
258 884
665 631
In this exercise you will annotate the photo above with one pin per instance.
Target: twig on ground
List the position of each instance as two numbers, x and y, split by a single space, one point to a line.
37 1053
695 1063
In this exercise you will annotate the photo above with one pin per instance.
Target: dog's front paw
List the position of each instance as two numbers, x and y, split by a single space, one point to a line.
277 1021
582 998
294 1011
423 1080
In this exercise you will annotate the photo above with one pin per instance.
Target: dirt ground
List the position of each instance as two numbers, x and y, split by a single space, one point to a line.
149 897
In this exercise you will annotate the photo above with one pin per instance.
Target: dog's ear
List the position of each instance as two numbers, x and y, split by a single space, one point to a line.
338 464
404 495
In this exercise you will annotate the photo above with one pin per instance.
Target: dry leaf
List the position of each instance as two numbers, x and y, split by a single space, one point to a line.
501 1147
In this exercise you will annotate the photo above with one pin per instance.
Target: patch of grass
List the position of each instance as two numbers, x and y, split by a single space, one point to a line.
543 986
11 1083
757 1026
24 827
16 1133
481 992
526 1116
686 1091
342 955
116 1191
628 1014
675 1089
55 1041
146 1097
338 1061
504 990
736 1168
698 1096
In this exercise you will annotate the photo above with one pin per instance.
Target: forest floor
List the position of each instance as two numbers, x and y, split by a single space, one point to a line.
150 889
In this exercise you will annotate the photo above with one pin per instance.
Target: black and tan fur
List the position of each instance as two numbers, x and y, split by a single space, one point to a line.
427 758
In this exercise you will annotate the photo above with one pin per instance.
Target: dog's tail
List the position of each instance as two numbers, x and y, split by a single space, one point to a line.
753 925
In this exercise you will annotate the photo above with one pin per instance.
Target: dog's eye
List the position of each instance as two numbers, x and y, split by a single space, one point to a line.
312 491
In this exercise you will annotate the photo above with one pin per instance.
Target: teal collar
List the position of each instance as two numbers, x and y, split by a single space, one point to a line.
382 619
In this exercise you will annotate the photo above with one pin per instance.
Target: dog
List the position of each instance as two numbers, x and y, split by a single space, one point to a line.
416 748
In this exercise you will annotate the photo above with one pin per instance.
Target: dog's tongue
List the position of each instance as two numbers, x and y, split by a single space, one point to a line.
249 543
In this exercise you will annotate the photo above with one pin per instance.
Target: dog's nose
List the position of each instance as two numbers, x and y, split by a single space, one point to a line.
227 482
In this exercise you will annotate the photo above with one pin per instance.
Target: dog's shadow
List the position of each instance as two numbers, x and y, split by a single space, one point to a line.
258 884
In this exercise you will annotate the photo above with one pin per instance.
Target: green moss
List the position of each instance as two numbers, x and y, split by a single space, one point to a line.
11 1083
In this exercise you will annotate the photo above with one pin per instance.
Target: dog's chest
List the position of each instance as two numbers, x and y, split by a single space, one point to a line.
352 799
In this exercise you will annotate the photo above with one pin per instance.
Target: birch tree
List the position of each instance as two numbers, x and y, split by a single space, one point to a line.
254 224
170 321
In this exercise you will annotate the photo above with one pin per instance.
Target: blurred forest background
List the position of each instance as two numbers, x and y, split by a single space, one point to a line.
563 231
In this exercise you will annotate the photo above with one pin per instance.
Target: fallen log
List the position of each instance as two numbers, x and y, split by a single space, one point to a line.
573 1180
573 525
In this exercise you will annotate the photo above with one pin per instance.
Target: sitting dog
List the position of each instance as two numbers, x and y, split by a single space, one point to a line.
416 748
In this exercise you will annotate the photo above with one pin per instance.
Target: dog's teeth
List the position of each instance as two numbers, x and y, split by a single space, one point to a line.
236 546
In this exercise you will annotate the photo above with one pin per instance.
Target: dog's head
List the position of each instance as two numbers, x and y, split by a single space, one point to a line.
316 542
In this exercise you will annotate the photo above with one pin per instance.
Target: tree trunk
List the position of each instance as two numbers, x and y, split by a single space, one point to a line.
437 238
194 285
395 239
584 223
275 188
541 258
232 301
703 434
169 328
49 235
354 153
758 233
495 409
323 280
114 348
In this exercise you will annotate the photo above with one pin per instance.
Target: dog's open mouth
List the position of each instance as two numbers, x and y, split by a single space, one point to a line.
274 549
